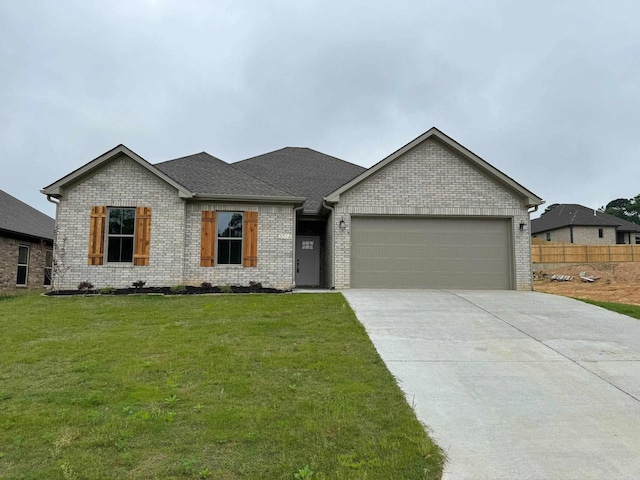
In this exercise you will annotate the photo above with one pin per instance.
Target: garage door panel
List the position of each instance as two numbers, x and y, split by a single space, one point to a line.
405 252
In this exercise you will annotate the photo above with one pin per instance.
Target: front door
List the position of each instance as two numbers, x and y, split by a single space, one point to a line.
308 261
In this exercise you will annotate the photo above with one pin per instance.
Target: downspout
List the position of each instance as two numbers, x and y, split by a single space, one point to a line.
535 209
333 243
571 233
293 241
55 234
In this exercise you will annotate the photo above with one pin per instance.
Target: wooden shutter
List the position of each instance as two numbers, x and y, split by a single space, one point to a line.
142 240
96 235
250 257
208 239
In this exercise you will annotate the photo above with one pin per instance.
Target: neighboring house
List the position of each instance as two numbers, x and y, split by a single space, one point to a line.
430 215
26 243
572 223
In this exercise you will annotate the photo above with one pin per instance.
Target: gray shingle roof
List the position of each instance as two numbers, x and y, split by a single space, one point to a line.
567 214
303 172
207 175
20 218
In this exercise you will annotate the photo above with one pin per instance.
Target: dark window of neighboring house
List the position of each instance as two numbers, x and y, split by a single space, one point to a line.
548 236
48 265
23 265
229 238
637 239
600 232
121 224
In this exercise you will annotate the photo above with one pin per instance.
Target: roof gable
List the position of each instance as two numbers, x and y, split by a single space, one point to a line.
572 214
301 171
529 198
20 218
88 169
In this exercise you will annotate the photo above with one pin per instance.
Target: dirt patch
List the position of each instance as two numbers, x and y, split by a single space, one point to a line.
618 282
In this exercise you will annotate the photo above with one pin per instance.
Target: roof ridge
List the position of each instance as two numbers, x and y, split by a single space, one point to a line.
192 155
260 179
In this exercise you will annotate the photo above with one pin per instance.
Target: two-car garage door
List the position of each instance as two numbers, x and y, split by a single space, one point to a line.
418 252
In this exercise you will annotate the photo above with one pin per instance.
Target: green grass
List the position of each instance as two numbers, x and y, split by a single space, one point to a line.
624 308
221 387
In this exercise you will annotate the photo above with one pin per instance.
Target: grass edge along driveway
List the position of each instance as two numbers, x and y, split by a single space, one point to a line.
224 387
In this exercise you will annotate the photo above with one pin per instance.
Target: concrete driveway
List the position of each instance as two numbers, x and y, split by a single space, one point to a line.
514 385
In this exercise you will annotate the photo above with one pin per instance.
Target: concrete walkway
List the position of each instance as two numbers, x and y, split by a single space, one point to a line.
514 385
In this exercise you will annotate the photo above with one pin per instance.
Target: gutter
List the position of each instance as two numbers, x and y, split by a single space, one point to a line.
249 198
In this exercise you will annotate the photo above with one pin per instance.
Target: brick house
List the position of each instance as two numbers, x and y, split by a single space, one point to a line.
430 215
26 244
573 223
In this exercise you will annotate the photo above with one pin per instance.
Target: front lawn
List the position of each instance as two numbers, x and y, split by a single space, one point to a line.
220 387
624 308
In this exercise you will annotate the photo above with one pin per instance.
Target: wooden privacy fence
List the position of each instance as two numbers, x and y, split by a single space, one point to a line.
571 253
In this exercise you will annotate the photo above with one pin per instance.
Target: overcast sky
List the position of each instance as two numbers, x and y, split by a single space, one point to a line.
546 91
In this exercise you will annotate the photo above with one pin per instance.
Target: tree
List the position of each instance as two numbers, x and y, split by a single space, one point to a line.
626 209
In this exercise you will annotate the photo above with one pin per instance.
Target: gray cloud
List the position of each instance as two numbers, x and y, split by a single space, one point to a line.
546 91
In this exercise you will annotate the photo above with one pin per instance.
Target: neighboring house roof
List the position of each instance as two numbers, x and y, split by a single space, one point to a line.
302 171
17 217
571 214
206 175
530 199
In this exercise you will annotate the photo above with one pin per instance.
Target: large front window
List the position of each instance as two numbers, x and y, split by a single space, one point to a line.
229 238
121 224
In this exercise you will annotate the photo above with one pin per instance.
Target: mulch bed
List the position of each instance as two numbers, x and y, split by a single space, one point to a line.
189 290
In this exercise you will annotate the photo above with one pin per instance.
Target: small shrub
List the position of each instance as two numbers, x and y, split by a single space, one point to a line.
206 285
139 284
303 473
84 286
108 290
178 289
255 287
226 288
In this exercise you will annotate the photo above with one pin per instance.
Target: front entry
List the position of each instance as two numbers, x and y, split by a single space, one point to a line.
308 261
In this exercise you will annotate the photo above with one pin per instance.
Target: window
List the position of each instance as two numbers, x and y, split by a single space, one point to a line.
48 266
548 236
229 238
23 266
600 232
120 235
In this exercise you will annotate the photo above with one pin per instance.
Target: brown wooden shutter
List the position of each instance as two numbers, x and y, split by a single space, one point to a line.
96 235
208 239
250 239
142 241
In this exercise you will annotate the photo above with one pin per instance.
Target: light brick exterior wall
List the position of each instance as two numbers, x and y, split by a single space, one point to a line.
121 183
9 263
330 250
275 255
175 234
582 235
431 180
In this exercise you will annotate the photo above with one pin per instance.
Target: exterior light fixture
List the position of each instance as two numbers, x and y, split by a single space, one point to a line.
342 224
522 226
